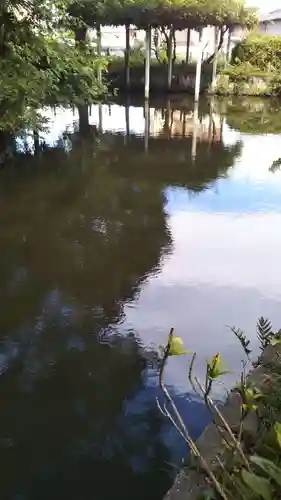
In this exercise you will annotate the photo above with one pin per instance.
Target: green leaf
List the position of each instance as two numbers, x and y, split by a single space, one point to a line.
277 428
177 347
269 467
215 367
258 485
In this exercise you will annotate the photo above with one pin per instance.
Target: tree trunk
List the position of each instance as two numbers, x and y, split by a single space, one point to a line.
187 46
211 57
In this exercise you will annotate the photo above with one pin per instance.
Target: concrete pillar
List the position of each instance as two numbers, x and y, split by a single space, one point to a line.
187 45
215 60
198 68
170 58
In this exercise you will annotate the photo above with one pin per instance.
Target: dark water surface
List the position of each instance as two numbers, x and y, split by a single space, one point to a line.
109 236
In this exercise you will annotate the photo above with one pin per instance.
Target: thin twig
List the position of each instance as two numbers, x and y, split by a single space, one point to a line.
192 445
228 429
231 480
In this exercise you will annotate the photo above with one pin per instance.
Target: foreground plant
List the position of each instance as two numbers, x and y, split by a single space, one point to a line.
240 472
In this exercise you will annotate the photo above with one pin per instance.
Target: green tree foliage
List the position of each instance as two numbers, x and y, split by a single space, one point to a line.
181 13
38 66
261 51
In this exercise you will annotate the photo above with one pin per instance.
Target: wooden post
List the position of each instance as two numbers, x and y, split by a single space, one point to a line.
147 62
170 58
198 68
98 30
187 45
127 57
215 60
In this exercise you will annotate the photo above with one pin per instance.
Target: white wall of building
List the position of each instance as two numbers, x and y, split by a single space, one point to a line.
271 28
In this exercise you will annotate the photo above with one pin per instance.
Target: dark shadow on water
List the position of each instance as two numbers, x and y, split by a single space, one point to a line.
83 227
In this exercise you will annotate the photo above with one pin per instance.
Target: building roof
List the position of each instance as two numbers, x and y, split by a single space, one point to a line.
274 15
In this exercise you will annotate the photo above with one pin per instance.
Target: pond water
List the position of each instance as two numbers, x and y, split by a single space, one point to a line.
111 233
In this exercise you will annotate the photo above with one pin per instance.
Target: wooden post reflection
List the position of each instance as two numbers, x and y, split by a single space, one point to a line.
36 142
146 125
195 132
184 124
221 128
211 130
167 129
127 120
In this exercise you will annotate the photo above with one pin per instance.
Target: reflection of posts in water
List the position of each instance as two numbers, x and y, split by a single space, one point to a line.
146 125
83 112
212 126
184 124
127 120
221 128
100 119
167 129
195 131
36 142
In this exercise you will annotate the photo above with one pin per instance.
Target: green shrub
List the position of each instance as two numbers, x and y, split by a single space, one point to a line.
261 51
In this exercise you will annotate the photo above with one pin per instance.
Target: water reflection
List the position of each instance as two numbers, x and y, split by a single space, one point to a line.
124 222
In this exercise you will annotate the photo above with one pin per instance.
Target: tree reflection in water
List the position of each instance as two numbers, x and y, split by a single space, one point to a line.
82 228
